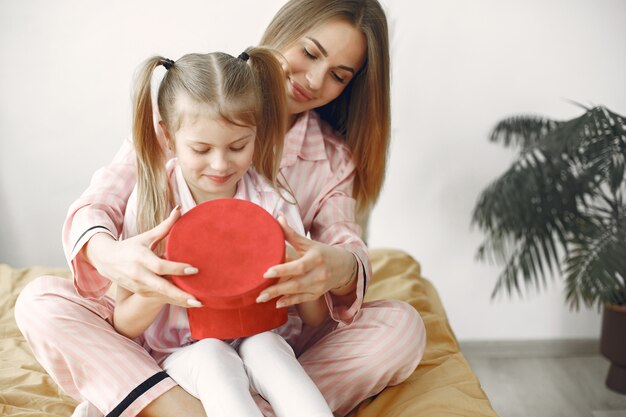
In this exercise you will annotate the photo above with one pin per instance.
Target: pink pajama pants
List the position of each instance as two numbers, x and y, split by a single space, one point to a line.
74 340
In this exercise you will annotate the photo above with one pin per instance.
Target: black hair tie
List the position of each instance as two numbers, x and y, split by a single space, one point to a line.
167 63
244 56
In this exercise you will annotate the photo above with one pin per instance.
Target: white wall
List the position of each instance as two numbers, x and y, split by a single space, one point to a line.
458 67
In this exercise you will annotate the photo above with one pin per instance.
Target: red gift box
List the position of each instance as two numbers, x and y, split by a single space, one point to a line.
232 243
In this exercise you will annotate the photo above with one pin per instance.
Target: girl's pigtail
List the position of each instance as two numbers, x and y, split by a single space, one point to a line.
272 108
153 204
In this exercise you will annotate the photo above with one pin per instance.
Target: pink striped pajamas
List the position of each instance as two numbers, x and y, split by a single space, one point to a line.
361 349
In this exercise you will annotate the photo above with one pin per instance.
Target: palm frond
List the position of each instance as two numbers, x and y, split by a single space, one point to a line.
595 266
558 198
522 131
526 262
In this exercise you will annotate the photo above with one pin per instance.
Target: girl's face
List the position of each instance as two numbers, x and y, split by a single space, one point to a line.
321 63
213 155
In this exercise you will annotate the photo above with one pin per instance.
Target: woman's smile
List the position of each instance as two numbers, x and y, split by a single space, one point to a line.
298 92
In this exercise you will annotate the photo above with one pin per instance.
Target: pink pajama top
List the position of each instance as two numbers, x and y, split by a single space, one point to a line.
316 166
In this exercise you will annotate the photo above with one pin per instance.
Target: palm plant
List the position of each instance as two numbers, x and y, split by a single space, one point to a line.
560 207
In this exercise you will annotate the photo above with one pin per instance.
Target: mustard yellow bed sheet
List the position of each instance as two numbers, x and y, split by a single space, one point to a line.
443 385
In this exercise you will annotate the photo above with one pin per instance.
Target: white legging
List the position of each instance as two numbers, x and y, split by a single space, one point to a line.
221 377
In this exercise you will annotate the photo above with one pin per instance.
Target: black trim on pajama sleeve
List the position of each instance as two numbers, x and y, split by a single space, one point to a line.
364 273
138 392
87 231
364 277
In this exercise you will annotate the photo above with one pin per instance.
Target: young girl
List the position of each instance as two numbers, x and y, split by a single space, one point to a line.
223 119
337 81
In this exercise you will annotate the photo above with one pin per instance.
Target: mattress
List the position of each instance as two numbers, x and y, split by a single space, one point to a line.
442 385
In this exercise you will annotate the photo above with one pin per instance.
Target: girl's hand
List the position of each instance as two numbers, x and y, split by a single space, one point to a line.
317 269
132 264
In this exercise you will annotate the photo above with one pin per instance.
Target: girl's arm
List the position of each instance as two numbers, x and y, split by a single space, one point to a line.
134 313
313 313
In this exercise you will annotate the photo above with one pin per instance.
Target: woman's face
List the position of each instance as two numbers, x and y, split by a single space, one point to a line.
321 64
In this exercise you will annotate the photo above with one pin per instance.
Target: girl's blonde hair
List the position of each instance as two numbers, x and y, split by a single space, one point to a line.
243 92
362 112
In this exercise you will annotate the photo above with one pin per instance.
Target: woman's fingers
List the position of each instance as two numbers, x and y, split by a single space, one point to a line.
153 280
163 267
301 285
308 276
133 265
299 242
150 284
303 274
148 269
292 300
296 267
290 253
288 287
153 236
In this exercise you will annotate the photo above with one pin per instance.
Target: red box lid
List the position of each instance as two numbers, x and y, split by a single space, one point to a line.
232 243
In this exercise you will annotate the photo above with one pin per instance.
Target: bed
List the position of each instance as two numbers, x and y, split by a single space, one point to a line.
442 385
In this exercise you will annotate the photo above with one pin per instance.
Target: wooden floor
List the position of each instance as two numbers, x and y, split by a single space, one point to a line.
545 378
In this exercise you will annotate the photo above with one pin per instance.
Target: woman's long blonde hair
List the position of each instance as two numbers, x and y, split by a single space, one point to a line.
246 93
362 112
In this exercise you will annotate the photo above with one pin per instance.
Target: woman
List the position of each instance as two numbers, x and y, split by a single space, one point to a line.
336 63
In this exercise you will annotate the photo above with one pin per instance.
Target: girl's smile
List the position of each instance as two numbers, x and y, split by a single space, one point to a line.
220 179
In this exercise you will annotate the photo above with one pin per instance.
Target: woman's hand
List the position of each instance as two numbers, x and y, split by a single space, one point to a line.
132 264
313 270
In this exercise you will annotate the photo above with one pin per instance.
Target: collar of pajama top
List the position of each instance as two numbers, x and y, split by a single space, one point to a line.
304 139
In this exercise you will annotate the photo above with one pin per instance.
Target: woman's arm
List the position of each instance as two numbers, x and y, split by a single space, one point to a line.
136 267
92 229
101 207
